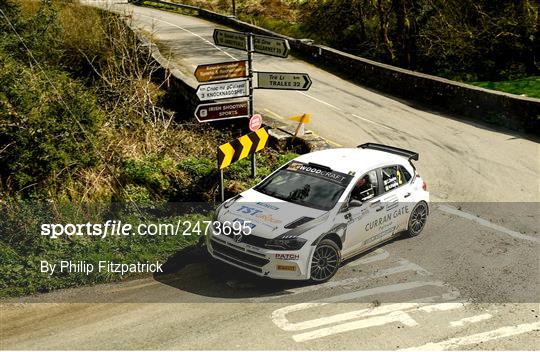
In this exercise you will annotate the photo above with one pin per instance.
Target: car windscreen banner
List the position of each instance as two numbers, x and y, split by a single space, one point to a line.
323 173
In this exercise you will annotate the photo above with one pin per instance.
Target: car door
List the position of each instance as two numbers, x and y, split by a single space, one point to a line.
396 193
362 212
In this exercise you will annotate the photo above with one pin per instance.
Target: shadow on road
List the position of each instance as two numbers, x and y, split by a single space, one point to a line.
193 270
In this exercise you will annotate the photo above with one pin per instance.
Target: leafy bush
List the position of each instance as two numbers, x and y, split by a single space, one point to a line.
22 248
150 172
197 167
49 126
90 143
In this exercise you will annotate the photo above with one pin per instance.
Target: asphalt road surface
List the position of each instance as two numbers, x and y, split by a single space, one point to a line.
470 281
460 160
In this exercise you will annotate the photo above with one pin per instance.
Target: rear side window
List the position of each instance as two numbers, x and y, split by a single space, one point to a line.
404 173
394 176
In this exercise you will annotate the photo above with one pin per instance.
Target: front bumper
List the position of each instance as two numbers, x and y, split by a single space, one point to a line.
285 265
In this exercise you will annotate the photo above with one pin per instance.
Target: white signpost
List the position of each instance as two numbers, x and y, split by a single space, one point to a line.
251 43
283 80
271 46
223 90
230 39
262 44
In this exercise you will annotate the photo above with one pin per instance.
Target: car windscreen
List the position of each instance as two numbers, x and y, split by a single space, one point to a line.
307 185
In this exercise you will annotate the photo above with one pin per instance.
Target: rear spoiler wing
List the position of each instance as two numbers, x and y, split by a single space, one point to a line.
386 148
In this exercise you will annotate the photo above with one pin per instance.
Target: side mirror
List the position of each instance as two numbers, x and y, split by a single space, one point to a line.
354 203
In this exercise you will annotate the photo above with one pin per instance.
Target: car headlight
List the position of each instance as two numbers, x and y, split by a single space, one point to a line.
283 244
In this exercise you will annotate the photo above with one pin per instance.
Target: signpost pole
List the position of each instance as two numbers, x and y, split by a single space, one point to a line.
221 186
250 85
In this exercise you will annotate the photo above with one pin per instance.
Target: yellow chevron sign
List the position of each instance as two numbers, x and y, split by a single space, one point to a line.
242 147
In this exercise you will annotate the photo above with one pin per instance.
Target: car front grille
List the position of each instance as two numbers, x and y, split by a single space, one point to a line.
238 256
254 241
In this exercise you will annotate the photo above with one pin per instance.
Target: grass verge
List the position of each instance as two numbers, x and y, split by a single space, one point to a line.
529 86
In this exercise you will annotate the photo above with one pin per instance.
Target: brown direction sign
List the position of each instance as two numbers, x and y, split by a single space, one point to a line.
221 111
220 71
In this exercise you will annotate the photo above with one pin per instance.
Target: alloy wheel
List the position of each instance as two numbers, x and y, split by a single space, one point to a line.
325 262
418 219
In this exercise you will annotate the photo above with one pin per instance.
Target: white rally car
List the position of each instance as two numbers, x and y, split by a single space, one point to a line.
319 209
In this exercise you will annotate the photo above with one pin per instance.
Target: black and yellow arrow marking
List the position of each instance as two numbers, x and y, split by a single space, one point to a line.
242 147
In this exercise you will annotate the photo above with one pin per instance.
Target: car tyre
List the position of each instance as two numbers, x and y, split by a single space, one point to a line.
325 261
417 220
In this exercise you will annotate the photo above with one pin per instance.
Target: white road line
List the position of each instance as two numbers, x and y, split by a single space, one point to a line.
474 319
506 331
381 290
337 318
399 312
443 306
320 101
378 254
373 122
279 316
276 115
404 266
452 210
190 32
400 317
282 322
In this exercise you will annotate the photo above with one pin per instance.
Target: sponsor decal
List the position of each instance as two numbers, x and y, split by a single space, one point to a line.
287 256
294 166
380 236
286 267
384 219
266 205
249 210
401 211
268 218
390 183
244 222
333 176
